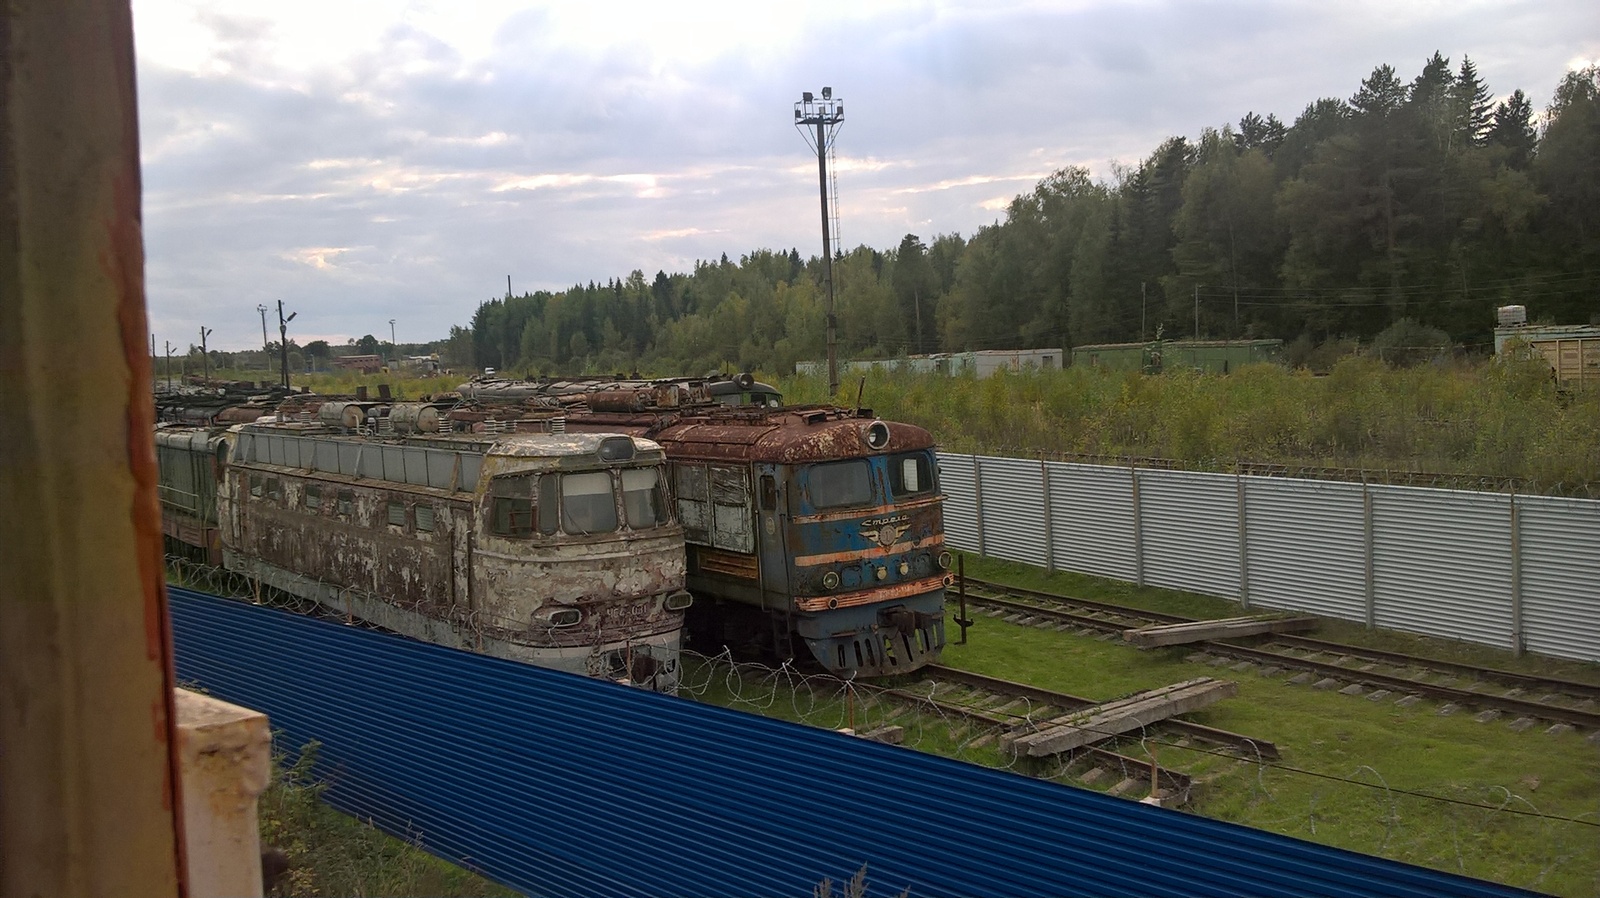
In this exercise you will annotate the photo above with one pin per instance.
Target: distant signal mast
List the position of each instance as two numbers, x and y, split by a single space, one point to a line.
825 116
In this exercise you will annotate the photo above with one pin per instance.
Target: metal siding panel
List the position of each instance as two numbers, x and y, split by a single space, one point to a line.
441 467
394 462
369 461
558 785
327 459
1191 531
1013 519
416 464
1561 576
1442 563
1305 544
960 501
1091 508
471 465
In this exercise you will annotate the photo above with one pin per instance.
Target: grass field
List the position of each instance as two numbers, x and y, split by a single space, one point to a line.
1404 783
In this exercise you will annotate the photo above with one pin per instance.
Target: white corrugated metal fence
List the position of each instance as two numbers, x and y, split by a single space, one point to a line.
1517 572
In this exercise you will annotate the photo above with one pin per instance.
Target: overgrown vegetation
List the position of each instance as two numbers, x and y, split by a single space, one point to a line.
333 854
1502 419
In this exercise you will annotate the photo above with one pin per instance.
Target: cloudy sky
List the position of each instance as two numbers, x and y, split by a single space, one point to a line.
363 161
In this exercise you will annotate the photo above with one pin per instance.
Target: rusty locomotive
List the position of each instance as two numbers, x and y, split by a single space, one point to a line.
557 549
809 526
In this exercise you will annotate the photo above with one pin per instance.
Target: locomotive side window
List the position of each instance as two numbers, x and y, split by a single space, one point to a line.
769 492
588 504
347 501
641 497
841 483
511 506
313 498
549 504
694 501
255 485
910 474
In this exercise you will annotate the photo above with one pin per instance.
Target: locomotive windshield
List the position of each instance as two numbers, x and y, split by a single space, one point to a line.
588 504
641 497
910 474
841 483
577 504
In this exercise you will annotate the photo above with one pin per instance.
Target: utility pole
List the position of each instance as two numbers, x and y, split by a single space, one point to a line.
825 115
1197 311
394 350
169 364
1144 303
283 341
205 357
266 353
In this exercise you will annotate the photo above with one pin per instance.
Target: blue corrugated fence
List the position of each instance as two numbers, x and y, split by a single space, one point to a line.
558 785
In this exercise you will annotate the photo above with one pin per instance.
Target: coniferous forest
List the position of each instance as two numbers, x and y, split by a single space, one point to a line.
1416 205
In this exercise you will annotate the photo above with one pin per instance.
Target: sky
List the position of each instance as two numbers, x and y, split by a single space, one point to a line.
367 161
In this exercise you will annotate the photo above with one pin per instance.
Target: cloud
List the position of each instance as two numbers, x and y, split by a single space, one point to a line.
398 159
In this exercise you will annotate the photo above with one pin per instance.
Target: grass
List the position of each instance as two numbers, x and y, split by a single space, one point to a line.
1402 783
335 854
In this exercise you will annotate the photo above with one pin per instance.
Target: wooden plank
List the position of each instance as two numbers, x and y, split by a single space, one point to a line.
1123 715
1203 630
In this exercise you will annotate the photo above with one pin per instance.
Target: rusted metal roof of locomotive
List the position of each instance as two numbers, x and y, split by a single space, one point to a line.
789 435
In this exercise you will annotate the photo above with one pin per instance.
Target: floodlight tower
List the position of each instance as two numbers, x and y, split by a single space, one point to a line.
283 341
825 115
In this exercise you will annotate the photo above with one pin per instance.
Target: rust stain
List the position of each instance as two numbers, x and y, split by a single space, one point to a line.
122 262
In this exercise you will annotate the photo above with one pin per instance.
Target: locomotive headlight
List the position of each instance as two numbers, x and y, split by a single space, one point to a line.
830 580
678 601
944 561
559 617
877 435
882 573
905 568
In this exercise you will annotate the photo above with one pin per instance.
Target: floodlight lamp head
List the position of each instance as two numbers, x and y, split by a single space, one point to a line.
827 93
290 318
805 96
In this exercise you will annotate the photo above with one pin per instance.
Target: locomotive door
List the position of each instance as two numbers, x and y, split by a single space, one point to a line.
772 513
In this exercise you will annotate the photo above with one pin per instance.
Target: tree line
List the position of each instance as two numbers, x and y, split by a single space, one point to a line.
1417 204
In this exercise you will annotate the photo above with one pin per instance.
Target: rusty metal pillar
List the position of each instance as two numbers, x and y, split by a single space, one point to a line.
88 795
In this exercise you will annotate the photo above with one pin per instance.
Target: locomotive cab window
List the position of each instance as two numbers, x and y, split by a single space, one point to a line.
511 505
641 497
910 474
588 503
841 483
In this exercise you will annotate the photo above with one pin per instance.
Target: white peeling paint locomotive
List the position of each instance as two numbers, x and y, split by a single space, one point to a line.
560 550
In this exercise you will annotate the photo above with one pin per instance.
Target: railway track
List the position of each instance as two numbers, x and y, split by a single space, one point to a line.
1336 664
1001 706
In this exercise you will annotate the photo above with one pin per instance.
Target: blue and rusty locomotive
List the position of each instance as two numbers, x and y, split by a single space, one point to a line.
813 524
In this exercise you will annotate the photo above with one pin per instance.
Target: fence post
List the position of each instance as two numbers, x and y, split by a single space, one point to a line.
1049 521
1518 639
1367 543
1138 527
1244 545
977 495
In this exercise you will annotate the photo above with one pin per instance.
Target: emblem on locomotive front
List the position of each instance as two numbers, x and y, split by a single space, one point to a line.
886 530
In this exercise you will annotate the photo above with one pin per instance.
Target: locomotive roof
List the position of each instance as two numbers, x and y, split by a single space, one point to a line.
791 435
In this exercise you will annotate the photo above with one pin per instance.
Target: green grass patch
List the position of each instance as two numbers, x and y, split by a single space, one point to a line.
334 854
1401 783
